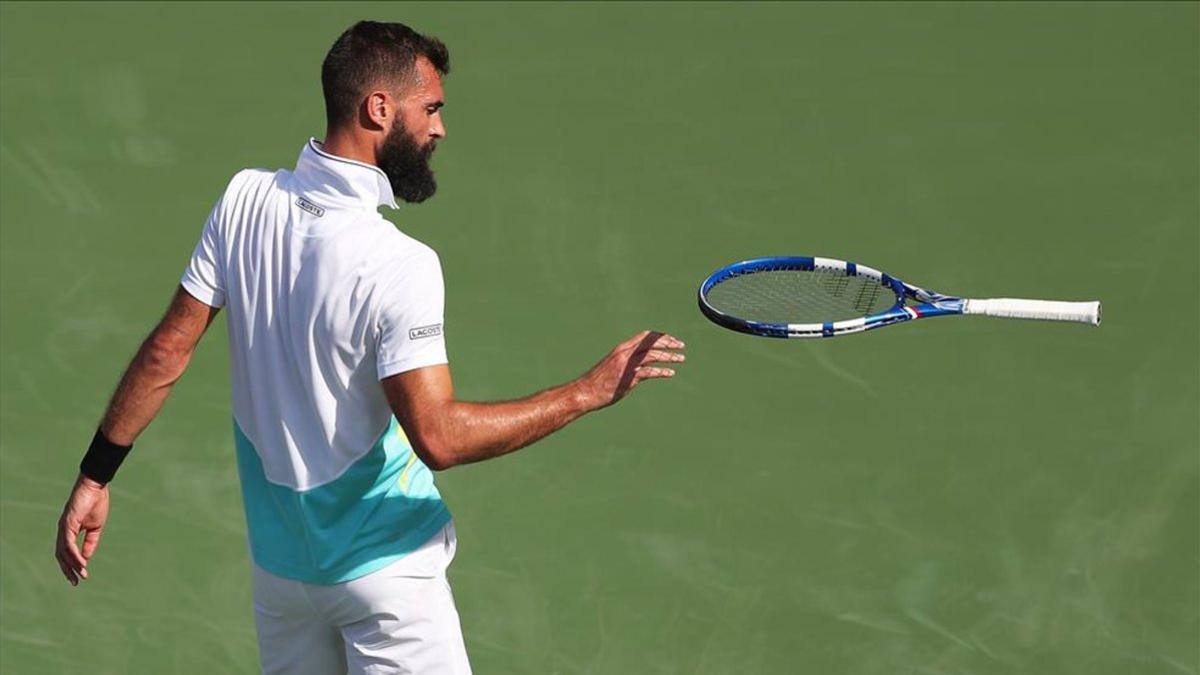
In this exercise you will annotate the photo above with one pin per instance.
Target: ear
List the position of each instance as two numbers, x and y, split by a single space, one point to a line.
380 109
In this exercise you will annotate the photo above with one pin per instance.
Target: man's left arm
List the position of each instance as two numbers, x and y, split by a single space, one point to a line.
158 365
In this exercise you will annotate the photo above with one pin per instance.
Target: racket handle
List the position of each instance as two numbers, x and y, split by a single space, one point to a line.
1043 310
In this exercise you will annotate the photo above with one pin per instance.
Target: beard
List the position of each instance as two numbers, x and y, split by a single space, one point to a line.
406 165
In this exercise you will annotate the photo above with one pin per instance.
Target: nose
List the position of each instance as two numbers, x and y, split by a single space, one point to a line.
438 130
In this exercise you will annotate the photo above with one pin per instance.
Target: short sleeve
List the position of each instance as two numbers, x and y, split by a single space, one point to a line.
411 308
204 278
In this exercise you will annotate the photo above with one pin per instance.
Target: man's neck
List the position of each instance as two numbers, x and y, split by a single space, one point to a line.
349 146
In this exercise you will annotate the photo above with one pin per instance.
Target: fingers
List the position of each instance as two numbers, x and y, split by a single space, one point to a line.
638 337
655 348
653 372
659 341
67 571
665 341
74 558
91 541
68 560
68 547
662 356
629 362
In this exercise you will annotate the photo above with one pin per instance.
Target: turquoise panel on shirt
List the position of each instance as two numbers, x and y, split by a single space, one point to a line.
383 507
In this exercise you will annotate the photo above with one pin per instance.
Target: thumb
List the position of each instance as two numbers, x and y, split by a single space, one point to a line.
91 541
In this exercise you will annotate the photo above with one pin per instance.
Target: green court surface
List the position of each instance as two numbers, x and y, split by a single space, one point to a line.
954 496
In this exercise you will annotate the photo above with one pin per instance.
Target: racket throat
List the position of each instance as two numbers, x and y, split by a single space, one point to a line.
941 306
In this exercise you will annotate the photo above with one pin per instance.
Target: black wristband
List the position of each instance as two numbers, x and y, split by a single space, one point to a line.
103 458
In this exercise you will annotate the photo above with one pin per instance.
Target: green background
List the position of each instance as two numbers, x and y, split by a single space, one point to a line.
951 496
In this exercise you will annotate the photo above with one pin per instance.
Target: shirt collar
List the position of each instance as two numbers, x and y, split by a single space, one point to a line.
342 181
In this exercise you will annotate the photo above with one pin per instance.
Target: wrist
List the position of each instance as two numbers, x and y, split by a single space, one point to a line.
581 396
90 484
103 458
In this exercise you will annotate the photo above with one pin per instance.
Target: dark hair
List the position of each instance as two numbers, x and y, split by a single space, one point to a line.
370 53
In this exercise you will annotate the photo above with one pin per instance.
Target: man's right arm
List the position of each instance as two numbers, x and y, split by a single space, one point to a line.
446 432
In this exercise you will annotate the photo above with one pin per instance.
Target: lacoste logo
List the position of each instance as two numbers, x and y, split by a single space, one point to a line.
310 207
433 330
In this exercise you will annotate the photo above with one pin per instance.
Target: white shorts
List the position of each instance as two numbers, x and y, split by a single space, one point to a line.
400 619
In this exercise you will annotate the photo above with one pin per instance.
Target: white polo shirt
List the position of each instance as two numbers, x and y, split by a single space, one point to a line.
325 298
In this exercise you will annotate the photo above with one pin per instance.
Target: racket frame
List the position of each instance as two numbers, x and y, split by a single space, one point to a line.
926 303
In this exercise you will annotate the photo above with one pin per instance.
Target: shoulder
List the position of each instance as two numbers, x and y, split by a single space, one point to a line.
248 183
250 177
404 267
394 248
244 190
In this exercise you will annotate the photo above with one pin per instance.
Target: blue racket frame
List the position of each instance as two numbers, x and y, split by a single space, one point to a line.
925 303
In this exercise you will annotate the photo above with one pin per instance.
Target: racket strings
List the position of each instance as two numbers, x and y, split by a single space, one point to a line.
864 301
800 296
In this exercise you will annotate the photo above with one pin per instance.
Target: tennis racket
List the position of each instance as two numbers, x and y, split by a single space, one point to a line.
803 297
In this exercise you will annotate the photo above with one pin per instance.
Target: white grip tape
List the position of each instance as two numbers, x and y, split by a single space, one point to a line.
1043 310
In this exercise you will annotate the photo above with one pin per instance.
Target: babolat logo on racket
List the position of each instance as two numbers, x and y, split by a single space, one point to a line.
310 207
433 330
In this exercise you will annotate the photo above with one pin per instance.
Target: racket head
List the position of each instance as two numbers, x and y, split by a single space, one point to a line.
803 296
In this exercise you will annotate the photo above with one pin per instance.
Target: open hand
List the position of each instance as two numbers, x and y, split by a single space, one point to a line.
86 511
627 365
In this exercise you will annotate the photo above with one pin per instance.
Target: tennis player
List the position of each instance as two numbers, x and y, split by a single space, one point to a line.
342 397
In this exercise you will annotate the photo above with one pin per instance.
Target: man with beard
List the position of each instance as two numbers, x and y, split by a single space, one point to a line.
342 397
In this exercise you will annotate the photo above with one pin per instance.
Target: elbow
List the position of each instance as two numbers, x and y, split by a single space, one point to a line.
165 358
433 452
438 464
